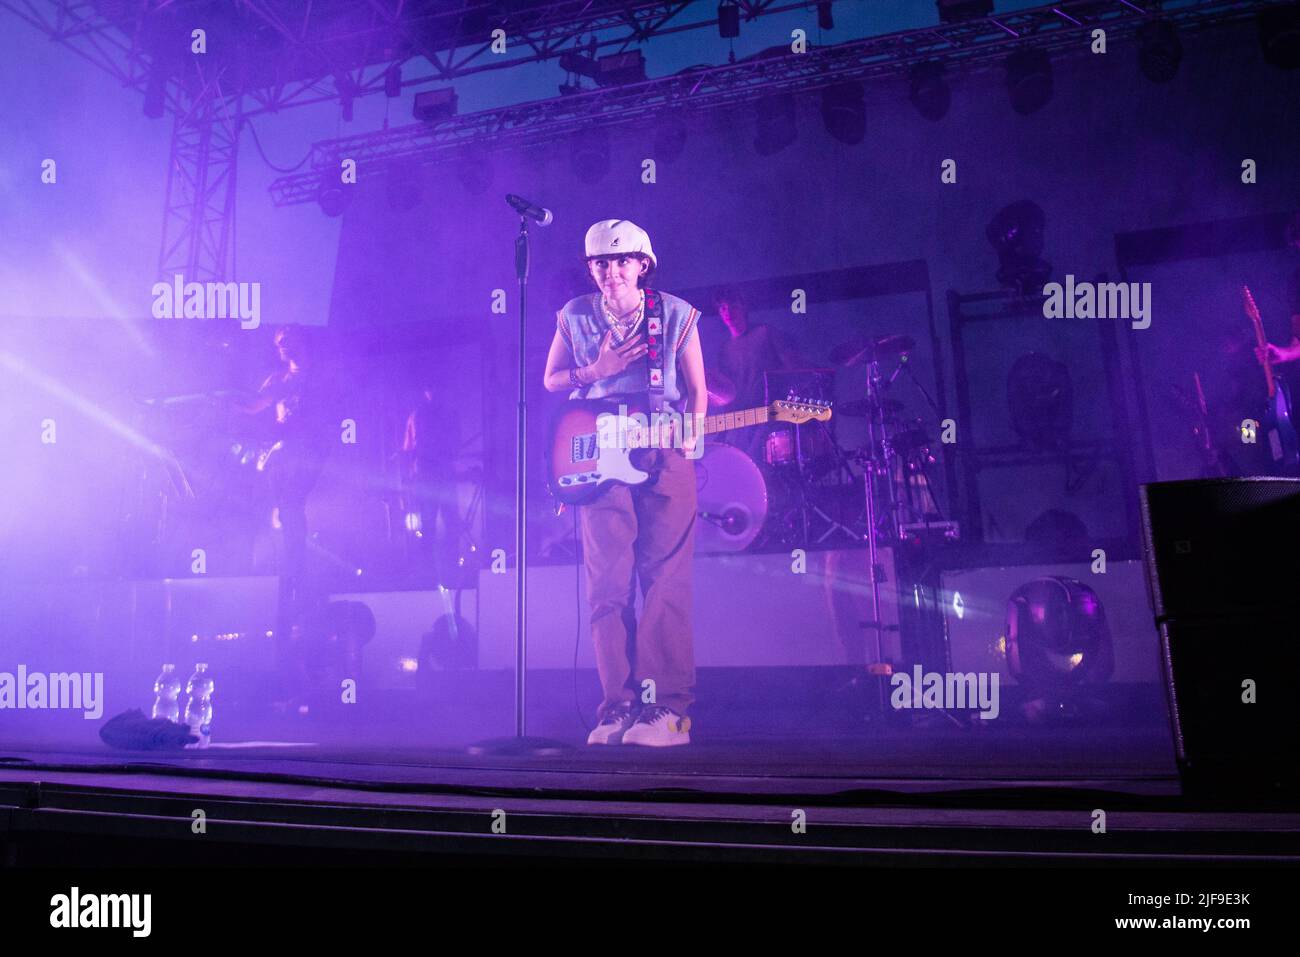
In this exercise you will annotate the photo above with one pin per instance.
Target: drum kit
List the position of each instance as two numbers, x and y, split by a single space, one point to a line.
796 486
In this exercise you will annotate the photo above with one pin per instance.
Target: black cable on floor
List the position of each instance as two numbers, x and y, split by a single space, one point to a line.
577 614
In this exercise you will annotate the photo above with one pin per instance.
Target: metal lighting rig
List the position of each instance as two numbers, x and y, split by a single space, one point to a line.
265 56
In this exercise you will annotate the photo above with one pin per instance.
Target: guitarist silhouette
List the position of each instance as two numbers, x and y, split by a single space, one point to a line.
304 431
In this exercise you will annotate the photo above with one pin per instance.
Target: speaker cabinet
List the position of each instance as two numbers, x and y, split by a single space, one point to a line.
1219 547
1222 568
1232 685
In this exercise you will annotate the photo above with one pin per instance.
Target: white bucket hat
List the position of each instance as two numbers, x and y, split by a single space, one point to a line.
610 237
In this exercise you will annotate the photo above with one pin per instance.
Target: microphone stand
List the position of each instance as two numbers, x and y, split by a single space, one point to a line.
521 743
875 398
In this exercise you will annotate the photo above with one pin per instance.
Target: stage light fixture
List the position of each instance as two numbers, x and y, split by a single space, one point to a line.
589 156
475 173
1040 399
670 139
613 70
350 622
1016 233
728 20
844 113
573 61
1061 531
403 188
346 90
334 195
451 645
432 106
1279 35
1029 80
776 126
825 16
928 90
393 81
620 68
955 11
1160 52
1057 637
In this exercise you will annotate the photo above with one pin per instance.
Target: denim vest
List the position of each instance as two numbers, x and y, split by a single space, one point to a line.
581 324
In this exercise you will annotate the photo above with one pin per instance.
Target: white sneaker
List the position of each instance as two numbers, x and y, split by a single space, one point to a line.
658 727
610 730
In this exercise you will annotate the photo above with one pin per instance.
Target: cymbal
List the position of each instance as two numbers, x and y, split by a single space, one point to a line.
867 348
893 345
861 408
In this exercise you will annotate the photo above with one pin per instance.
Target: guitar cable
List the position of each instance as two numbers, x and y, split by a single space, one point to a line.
577 617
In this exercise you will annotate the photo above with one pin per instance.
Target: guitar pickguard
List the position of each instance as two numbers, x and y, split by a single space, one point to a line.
586 464
583 448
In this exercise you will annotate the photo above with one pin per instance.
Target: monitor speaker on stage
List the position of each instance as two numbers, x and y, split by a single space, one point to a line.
1222 546
1222 570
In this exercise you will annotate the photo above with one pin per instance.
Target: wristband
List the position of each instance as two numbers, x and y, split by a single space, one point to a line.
573 378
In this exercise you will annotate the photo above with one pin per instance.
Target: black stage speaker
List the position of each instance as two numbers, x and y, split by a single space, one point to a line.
1222 546
1223 566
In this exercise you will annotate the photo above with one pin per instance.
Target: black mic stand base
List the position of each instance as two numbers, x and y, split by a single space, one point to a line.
526 746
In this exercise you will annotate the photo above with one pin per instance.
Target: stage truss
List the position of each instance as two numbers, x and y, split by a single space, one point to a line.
293 54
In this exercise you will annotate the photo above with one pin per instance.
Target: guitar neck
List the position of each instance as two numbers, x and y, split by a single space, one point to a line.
1262 340
726 421
1268 363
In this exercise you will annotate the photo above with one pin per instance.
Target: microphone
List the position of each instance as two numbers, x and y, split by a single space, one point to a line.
733 521
521 206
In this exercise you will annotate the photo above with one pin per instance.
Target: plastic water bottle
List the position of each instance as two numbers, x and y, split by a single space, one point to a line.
167 694
198 711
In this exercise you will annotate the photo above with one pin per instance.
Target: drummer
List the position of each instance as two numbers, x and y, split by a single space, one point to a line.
748 351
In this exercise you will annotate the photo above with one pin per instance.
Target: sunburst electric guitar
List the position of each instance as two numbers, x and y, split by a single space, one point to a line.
592 446
1277 423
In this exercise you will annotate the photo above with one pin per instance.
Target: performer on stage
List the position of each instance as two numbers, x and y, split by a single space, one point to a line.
304 433
431 446
749 350
1291 351
635 345
744 357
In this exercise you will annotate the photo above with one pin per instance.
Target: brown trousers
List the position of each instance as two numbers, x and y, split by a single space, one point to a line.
645 533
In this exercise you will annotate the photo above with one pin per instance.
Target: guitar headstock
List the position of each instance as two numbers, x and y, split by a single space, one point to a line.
799 411
1248 301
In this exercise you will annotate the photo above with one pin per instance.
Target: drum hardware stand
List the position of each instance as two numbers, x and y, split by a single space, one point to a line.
876 626
806 508
832 526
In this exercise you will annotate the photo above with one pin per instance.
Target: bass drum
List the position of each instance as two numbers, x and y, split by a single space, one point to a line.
732 499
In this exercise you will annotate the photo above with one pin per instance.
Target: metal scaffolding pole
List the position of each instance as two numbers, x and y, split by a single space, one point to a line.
198 235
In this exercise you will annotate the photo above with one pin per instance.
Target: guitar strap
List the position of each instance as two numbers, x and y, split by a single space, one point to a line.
655 348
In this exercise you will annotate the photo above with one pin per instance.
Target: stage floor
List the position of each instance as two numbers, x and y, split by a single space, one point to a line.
915 797
900 761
